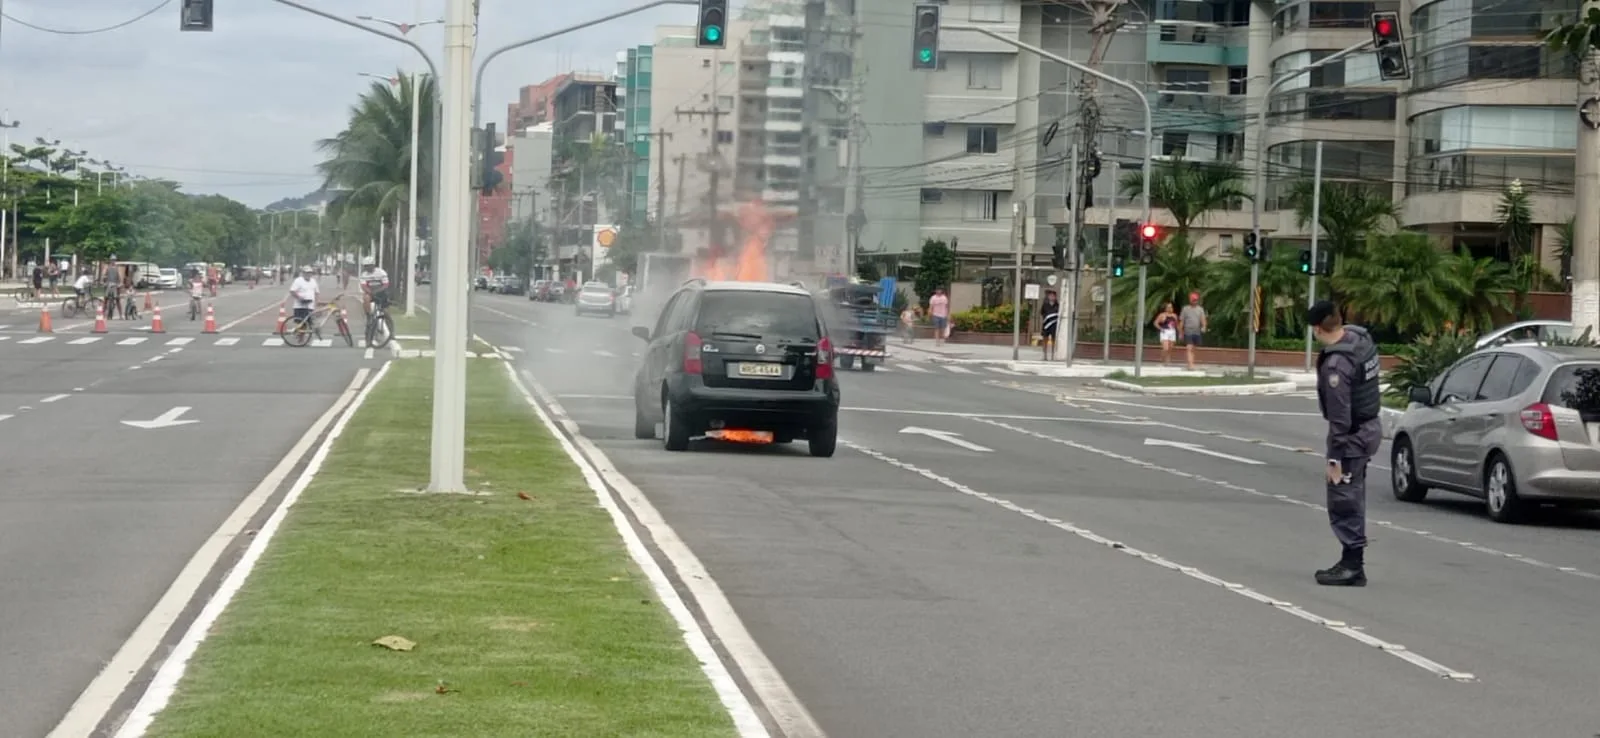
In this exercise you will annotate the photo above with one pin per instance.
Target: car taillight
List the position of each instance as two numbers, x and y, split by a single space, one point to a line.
824 359
1538 420
692 346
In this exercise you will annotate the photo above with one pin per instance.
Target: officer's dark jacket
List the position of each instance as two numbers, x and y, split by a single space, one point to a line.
1348 374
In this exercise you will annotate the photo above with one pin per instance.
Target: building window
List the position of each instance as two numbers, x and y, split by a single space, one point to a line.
643 64
1174 143
725 68
1299 14
1230 147
725 102
724 137
983 139
985 71
1225 244
705 63
1467 127
932 197
760 38
1238 80
1184 89
933 129
987 11
982 205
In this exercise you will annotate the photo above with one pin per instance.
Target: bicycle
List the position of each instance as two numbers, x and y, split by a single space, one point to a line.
194 307
77 305
380 326
299 332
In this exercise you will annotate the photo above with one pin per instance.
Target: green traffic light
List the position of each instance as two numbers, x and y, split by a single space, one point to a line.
925 55
713 34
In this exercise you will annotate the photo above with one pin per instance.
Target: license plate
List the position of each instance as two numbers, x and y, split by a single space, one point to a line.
760 369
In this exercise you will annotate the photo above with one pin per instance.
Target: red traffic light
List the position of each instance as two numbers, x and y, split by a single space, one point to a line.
1384 27
1148 232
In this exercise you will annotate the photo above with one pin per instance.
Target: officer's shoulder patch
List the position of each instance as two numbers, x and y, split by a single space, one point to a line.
1333 380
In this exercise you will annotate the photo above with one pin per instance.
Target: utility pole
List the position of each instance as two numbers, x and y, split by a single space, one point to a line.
660 144
712 164
681 160
1111 257
1019 217
1586 194
856 219
1068 307
447 455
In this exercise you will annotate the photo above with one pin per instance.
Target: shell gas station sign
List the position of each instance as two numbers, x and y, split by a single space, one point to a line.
604 236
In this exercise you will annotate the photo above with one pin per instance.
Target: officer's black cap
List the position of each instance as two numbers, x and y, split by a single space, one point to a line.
1321 311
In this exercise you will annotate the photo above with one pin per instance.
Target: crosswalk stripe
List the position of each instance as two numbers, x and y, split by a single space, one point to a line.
321 342
913 368
5 338
185 341
511 349
1003 370
959 370
274 341
227 341
602 352
38 339
84 340
556 350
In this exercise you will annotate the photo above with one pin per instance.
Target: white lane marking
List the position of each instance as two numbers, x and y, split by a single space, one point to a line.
958 369
912 368
1199 449
321 342
511 349
38 339
55 398
225 326
603 352
184 341
1003 370
7 338
154 359
274 341
1356 633
102 694
1211 410
596 397
950 437
85 340
953 414
229 341
612 488
368 354
502 314
556 350
132 341
1389 524
6 417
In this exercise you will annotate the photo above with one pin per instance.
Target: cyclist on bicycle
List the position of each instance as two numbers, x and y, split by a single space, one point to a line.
81 286
375 285
304 293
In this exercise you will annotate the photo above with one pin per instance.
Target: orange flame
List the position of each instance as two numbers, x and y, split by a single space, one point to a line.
749 264
734 435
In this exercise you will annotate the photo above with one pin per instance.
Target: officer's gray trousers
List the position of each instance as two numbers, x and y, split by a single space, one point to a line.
1347 504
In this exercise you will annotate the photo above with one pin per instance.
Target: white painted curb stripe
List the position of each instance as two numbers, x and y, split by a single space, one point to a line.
793 720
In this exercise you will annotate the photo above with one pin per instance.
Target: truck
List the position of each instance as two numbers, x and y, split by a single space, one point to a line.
657 277
858 322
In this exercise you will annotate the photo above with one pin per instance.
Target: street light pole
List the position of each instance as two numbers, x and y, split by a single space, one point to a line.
1261 183
1149 143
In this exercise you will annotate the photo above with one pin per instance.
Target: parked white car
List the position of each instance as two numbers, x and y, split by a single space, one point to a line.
170 279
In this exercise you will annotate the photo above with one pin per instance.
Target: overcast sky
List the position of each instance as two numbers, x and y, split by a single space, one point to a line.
238 111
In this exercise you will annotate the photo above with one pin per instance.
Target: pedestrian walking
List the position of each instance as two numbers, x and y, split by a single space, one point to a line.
1195 323
1348 394
1167 328
1050 313
939 310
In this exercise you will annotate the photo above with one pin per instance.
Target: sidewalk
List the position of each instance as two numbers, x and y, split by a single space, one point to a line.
1089 367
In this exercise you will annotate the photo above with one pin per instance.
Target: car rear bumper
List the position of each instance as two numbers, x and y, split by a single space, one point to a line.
757 409
1554 485
596 308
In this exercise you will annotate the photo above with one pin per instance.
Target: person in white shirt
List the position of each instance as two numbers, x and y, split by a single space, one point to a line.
82 283
304 293
375 284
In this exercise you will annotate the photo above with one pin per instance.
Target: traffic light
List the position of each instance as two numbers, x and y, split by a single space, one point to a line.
194 15
1389 46
1058 256
492 158
713 25
1251 253
1324 265
1116 266
1147 243
1305 261
925 38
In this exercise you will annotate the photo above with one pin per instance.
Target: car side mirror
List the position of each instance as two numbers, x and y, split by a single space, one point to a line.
1420 395
642 332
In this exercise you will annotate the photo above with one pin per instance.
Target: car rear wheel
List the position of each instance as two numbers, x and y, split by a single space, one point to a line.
1500 491
823 439
675 435
1403 476
643 425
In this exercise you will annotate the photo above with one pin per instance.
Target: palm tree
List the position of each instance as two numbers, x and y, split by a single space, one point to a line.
1350 212
1401 280
1482 285
1189 189
1283 293
369 162
1564 241
1176 272
596 164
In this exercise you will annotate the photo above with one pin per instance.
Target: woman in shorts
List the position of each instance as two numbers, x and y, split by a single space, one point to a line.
1167 323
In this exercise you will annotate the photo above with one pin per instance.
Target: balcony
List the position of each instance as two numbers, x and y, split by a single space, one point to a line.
1201 44
1197 111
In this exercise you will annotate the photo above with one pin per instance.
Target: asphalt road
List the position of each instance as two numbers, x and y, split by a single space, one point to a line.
1092 570
97 517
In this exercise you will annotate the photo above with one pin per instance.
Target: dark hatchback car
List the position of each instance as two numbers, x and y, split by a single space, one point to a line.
750 356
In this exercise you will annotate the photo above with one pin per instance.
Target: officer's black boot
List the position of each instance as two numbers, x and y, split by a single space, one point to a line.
1349 572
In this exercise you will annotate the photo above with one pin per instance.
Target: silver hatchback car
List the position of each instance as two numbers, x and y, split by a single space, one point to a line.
1503 424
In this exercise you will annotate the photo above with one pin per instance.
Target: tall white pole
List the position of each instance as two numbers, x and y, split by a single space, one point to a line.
1019 217
1316 227
448 456
1067 312
410 268
1111 255
1586 193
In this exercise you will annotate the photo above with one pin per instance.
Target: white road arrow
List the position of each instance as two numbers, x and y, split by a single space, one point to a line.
1197 448
949 437
167 419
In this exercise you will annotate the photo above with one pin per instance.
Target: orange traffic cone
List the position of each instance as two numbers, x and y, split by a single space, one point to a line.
148 303
155 321
283 317
44 320
211 320
100 319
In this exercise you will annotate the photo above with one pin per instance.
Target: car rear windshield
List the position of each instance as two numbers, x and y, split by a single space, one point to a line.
1562 390
764 314
596 288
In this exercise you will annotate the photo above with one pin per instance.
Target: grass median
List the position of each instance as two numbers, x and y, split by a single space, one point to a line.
1224 380
421 325
527 615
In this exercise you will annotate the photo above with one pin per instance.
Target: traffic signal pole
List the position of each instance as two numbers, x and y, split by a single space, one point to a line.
1111 257
1316 228
1261 185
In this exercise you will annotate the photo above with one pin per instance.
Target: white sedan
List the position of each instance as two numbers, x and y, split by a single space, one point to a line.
170 279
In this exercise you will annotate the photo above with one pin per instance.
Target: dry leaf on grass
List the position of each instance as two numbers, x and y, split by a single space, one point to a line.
523 496
395 643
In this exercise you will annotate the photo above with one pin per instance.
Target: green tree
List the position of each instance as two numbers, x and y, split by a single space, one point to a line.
1283 294
95 229
1564 241
935 269
1483 288
1350 213
1176 271
1401 280
1189 189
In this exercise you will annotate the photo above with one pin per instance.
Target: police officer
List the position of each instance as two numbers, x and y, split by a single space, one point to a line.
1347 391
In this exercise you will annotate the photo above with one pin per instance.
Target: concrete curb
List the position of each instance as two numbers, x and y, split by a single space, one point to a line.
1230 390
1092 371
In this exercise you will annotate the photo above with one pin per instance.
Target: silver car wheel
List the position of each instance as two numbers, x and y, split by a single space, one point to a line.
1499 478
1402 471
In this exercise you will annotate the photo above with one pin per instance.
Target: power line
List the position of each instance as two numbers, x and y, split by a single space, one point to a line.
90 31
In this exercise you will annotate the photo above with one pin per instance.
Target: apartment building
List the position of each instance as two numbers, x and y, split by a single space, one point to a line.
535 104
636 72
530 160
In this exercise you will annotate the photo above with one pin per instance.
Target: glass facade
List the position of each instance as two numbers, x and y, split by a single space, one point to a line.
1487 147
1458 40
1300 15
1331 92
636 125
